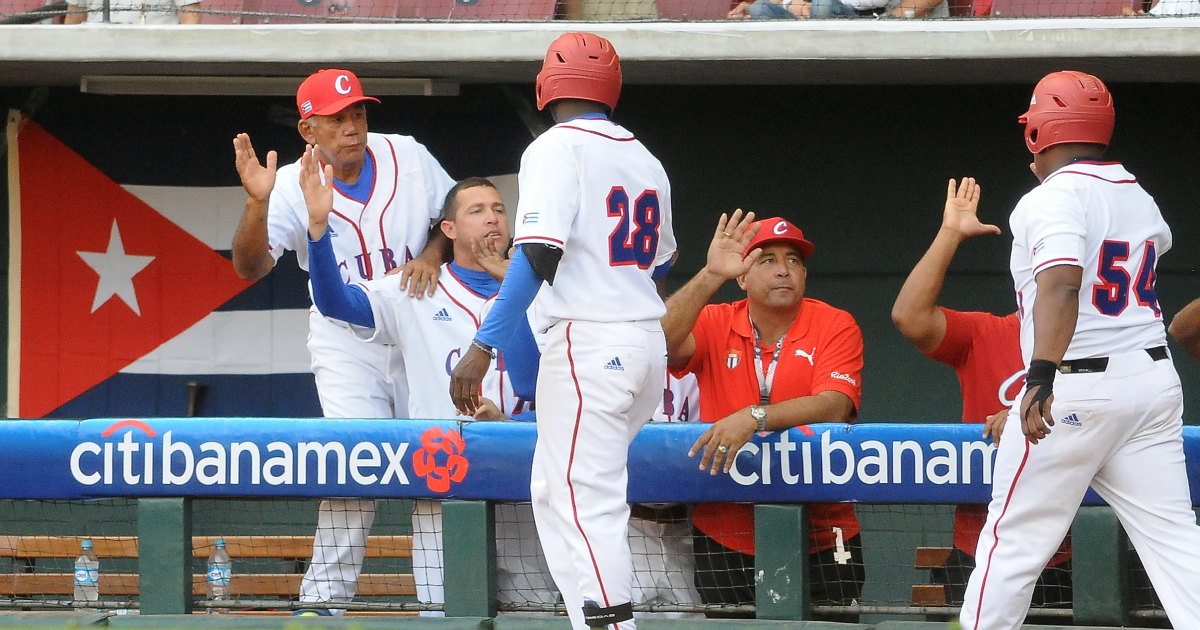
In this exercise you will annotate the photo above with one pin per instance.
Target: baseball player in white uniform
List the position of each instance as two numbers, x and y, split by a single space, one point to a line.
388 188
660 535
594 224
1085 245
430 334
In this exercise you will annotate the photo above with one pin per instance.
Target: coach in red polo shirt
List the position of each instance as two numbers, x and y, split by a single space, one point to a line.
772 361
985 352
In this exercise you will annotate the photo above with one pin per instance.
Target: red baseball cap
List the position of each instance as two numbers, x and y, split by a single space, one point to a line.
778 230
329 92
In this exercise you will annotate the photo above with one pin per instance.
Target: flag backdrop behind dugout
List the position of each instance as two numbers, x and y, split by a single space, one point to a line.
119 296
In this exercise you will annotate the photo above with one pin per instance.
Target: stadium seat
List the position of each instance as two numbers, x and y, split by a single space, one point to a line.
13 7
693 9
26 550
1060 8
475 9
228 12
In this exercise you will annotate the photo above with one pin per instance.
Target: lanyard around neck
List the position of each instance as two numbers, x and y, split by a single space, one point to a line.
765 383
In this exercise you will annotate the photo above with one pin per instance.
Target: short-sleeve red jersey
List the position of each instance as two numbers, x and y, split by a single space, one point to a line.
985 352
822 351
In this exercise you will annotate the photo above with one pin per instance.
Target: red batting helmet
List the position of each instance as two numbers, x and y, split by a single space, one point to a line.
582 66
1068 106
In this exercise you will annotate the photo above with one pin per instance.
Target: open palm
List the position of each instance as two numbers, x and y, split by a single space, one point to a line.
961 214
318 195
727 253
258 180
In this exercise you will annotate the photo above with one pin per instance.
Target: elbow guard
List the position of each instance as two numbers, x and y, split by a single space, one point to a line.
544 259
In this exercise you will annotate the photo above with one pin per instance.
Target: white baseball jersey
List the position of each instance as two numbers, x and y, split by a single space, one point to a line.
368 240
590 188
432 334
1095 216
681 400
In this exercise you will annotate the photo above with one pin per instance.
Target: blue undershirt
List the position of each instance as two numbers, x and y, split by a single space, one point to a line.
333 297
482 283
360 190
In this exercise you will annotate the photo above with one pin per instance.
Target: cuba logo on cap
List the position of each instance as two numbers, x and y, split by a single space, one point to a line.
342 84
306 107
780 228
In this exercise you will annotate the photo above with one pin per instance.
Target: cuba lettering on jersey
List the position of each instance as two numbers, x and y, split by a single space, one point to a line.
590 188
373 238
431 334
1095 216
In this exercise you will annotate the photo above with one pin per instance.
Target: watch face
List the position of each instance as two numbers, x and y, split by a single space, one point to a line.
758 412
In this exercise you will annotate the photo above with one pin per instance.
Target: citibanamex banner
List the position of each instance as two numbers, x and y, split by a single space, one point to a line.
886 463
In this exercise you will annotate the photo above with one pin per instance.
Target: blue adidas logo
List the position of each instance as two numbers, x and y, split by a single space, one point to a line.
1072 420
442 316
615 364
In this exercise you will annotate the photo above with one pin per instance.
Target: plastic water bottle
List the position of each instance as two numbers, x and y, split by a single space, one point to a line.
87 575
220 572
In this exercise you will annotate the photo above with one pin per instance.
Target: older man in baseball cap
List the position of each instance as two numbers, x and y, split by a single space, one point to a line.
388 189
770 362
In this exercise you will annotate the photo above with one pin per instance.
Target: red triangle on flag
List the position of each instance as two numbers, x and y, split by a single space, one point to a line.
104 278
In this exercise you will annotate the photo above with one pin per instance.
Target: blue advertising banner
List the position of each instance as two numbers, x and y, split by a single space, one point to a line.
883 463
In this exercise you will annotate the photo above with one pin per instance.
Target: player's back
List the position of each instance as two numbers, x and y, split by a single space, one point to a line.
1123 234
588 186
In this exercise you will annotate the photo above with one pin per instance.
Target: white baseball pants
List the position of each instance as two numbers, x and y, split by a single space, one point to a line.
1119 431
353 382
597 385
522 575
663 566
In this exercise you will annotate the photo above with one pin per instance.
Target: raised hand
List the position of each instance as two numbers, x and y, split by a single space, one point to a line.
256 179
726 254
962 205
318 195
487 254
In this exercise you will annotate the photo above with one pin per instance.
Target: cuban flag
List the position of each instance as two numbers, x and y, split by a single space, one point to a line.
120 296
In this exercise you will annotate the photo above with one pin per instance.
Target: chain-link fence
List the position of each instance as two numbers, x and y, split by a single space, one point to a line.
334 11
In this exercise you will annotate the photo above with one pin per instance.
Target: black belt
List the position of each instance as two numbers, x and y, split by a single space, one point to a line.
668 514
1099 364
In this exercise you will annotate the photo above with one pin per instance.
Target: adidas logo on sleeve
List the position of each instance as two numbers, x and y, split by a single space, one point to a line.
615 364
442 316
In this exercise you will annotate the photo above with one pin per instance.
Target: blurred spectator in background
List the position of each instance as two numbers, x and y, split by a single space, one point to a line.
1176 7
135 12
985 352
773 361
820 9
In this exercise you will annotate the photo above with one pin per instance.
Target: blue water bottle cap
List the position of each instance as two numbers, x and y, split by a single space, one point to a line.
87 544
220 543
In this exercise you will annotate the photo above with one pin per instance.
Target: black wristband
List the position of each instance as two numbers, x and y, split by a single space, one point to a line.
1041 372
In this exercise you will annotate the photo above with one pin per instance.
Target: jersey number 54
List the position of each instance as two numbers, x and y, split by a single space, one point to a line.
1111 294
633 242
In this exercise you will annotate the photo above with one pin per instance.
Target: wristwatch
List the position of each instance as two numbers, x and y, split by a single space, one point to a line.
760 415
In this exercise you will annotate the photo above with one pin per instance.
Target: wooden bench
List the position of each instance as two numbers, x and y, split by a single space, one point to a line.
25 550
930 594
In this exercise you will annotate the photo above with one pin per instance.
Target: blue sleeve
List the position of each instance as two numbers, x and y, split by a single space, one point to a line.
333 297
660 271
521 359
520 286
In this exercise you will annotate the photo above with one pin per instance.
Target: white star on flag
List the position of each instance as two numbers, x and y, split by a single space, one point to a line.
116 270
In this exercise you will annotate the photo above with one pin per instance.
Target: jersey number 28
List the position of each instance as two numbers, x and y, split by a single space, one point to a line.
1111 294
633 242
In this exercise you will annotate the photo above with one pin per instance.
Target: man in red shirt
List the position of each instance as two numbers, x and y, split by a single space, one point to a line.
985 352
773 361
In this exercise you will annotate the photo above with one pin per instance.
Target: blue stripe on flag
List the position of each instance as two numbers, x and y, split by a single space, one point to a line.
286 287
149 395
